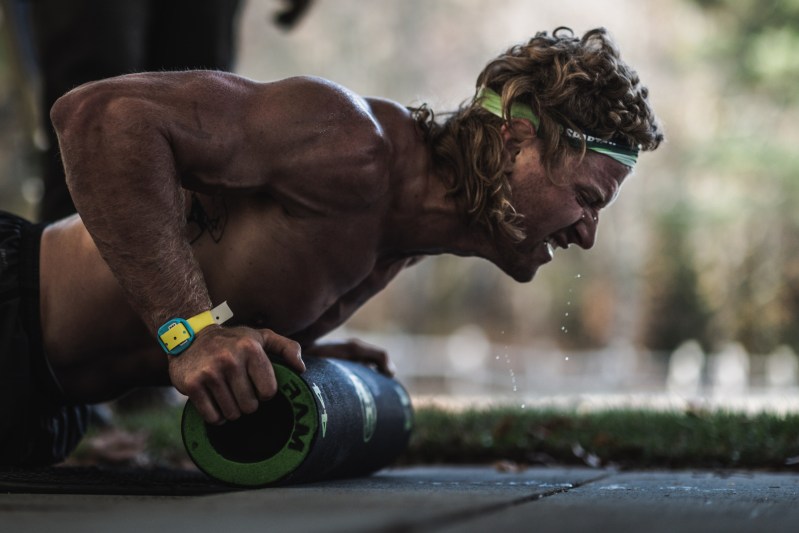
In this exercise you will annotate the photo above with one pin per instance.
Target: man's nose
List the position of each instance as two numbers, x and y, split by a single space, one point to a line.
586 230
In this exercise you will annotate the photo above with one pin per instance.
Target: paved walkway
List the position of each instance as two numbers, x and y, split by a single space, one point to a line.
446 499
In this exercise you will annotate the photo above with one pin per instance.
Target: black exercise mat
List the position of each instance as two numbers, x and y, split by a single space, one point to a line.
109 480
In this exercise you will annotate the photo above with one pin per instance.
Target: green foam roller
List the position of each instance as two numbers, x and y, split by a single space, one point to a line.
337 419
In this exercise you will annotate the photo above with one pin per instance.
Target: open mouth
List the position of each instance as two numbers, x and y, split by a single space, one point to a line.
552 243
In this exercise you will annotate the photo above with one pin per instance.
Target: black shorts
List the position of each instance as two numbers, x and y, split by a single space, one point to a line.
37 425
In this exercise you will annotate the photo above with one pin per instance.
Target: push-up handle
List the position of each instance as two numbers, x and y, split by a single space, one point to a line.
338 419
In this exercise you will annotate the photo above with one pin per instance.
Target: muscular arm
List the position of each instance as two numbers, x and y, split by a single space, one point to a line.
131 145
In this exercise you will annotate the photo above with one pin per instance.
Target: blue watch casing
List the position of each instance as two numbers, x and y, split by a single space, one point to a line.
175 336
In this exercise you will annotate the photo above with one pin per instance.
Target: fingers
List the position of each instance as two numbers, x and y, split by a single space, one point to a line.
384 364
248 378
227 373
262 377
391 369
230 396
230 381
370 354
206 407
222 393
247 397
359 351
289 350
224 400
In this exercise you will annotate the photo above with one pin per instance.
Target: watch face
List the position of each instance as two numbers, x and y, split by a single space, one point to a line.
178 335
175 336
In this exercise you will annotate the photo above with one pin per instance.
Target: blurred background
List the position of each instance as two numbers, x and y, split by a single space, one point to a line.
692 291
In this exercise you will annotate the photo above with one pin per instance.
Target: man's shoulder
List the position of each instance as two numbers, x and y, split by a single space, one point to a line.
308 103
315 93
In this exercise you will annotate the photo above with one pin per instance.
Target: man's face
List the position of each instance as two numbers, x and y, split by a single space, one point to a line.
561 211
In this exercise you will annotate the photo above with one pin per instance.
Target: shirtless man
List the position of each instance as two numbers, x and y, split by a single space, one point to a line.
294 202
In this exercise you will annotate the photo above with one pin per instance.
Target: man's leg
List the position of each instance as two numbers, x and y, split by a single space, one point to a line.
37 425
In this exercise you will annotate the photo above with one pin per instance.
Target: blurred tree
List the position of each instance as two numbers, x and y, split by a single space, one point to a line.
788 243
728 269
675 310
759 43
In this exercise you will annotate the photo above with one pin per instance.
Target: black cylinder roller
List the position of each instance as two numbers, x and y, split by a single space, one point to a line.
337 419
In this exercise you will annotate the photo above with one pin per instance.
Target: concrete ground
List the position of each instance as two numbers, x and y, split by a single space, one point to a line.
441 499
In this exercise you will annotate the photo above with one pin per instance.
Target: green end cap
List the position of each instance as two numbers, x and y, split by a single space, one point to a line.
272 469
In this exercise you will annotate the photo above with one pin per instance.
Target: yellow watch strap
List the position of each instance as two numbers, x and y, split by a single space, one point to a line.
177 333
218 315
201 321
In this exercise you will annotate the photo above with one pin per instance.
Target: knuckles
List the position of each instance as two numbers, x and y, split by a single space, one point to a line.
249 407
227 363
233 415
248 345
267 391
213 420
193 388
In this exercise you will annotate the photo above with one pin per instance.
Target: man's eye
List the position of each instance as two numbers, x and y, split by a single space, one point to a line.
590 200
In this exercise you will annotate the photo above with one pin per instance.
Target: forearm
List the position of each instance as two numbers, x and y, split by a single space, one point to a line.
155 267
129 196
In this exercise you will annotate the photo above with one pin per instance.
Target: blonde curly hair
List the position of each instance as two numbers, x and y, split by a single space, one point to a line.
577 83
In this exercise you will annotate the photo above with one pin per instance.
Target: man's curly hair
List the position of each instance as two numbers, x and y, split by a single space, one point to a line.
578 83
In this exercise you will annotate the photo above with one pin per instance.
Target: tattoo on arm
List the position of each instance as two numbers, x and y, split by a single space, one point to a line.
199 220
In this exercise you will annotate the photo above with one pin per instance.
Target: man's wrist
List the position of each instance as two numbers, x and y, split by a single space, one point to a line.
177 334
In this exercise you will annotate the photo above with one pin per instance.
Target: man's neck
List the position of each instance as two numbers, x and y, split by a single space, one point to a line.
425 220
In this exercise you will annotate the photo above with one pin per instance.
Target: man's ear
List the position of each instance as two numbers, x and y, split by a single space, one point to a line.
520 131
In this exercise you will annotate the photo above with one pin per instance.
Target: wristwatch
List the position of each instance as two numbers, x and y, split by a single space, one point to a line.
177 334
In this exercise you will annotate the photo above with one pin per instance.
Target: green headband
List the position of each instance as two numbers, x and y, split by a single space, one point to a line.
624 154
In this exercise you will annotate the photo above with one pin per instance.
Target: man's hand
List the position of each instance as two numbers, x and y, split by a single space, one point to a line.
226 371
355 350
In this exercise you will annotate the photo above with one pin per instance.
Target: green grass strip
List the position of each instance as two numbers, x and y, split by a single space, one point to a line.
627 438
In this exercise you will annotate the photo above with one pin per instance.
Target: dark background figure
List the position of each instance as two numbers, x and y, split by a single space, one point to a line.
61 44
78 41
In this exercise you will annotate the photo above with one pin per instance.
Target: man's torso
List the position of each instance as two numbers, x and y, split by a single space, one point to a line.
296 271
